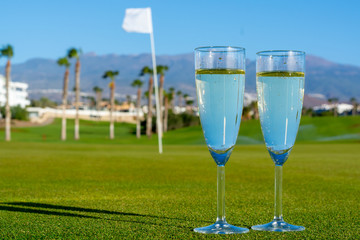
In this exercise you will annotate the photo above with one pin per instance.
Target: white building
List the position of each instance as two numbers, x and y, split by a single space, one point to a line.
18 94
340 107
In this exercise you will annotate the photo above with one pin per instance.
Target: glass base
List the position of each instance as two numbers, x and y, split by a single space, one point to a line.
221 227
278 226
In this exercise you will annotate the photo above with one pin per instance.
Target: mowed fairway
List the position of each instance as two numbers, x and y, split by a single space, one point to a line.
123 190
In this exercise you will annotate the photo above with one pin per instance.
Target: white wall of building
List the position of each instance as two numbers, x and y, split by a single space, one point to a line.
37 114
18 94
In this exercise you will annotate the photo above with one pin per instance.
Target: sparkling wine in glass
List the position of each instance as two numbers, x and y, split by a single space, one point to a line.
280 77
220 82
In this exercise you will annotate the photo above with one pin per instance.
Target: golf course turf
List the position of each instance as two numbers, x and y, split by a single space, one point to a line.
96 188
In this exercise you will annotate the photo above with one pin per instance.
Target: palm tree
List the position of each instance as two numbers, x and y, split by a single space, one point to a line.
254 108
98 93
172 92
335 101
246 113
161 69
330 100
168 98
188 103
148 71
179 94
64 62
8 52
146 95
354 103
111 75
75 53
185 96
128 99
138 84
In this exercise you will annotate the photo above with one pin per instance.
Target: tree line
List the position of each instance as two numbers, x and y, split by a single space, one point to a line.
166 98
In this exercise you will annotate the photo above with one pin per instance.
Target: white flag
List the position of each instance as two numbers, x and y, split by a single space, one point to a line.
138 20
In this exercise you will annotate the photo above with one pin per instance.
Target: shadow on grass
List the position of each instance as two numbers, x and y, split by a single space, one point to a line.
68 208
23 207
46 212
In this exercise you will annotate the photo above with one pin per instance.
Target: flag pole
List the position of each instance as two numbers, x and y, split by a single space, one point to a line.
158 120
140 20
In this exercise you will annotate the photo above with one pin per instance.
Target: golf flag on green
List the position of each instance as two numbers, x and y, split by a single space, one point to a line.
139 20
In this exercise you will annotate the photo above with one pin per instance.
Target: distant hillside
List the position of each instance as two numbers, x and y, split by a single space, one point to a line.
328 78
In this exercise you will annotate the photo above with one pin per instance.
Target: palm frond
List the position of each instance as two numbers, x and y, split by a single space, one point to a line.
63 62
161 69
137 83
97 89
110 74
146 70
73 53
7 51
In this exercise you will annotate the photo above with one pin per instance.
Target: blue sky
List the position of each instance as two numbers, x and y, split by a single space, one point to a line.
46 29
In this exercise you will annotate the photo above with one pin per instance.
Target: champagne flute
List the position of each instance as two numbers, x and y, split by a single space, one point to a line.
220 82
280 77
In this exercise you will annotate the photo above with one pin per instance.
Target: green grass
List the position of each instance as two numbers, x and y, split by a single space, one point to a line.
96 188
315 130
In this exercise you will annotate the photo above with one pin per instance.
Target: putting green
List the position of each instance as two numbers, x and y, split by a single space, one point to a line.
97 188
62 190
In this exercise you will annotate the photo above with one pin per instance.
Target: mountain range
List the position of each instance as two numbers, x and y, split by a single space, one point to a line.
322 76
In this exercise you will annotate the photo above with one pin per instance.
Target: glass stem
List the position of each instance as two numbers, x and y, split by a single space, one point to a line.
220 194
278 193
